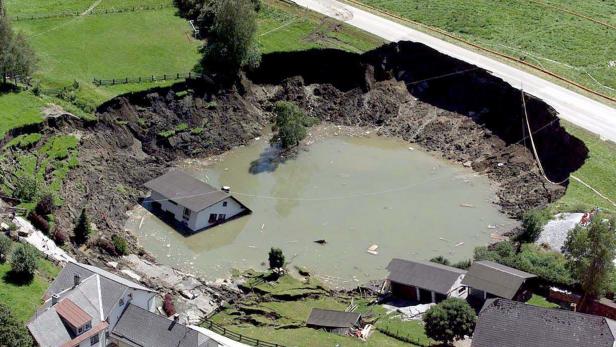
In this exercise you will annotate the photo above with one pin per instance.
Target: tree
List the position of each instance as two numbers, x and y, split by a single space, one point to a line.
5 248
532 223
16 55
82 229
590 253
440 260
290 124
449 320
45 206
12 332
120 244
276 258
23 262
231 42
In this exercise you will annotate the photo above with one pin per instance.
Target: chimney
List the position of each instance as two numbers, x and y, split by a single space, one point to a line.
176 317
76 280
54 299
226 189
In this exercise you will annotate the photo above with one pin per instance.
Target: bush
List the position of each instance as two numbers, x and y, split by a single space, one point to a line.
60 237
532 223
12 332
548 265
45 206
440 260
39 222
5 248
23 261
276 258
502 252
82 229
26 188
463 264
120 244
450 320
290 124
168 305
107 246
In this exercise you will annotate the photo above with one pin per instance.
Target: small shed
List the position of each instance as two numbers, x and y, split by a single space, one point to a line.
488 279
193 203
425 281
339 322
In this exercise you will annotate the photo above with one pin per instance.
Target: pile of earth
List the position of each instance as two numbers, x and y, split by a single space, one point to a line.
404 89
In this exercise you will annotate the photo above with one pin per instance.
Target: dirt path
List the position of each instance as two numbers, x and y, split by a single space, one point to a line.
91 8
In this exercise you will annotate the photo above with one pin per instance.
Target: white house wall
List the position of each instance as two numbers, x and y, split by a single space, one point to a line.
140 298
168 206
201 220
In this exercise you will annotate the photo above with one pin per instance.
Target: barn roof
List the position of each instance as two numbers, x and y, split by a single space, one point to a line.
426 275
507 323
186 190
496 279
332 319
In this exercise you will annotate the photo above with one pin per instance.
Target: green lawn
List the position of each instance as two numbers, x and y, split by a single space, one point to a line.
17 109
38 7
563 43
537 300
23 300
599 171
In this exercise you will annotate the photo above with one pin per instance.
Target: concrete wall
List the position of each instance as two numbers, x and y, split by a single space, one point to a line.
201 219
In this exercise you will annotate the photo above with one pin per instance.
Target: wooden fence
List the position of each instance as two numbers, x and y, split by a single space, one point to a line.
146 79
91 13
219 329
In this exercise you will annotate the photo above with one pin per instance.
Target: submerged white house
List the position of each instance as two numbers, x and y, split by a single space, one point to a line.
193 203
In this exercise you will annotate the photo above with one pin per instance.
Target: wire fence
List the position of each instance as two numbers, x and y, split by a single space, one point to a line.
219 329
91 13
146 79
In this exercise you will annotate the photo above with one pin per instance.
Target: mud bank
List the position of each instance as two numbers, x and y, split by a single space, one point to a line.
406 90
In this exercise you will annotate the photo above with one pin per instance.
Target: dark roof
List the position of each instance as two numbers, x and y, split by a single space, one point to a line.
144 328
427 275
72 314
186 190
332 319
506 323
496 279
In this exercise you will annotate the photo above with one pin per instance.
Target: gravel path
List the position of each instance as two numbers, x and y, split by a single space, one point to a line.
555 231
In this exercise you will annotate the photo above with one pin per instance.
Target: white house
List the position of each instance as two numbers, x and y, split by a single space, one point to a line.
87 306
425 281
193 203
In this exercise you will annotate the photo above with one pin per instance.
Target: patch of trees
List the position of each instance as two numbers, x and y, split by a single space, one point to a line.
590 252
450 320
16 55
532 225
290 124
12 332
462 264
230 28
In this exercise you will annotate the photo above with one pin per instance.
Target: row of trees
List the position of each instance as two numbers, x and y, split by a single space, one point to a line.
16 55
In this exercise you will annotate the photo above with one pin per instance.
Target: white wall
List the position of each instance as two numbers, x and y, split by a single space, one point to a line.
201 220
140 298
454 291
167 205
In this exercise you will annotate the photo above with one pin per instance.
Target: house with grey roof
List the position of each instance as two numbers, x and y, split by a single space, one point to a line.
339 322
487 279
507 323
88 306
425 281
193 204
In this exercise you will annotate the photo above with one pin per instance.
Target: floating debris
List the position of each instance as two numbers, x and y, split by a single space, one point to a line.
459 244
467 205
372 249
321 242
491 226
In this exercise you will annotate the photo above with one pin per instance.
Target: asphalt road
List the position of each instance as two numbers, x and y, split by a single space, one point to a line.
580 110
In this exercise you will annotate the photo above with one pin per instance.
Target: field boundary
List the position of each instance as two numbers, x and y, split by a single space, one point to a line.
479 47
91 13
219 329
146 79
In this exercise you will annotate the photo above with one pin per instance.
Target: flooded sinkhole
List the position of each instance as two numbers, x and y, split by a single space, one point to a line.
352 192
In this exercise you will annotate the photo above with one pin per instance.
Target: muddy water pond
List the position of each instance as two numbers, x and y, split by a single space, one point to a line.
352 192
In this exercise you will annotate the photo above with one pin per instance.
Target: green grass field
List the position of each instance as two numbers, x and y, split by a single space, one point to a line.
18 109
24 299
573 47
38 7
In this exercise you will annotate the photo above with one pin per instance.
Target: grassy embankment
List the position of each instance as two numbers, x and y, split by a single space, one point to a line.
280 314
23 298
571 46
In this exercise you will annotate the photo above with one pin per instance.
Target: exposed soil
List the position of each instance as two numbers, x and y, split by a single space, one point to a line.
472 118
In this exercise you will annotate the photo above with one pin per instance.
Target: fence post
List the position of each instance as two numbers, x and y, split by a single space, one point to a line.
113 81
152 78
177 78
139 79
126 80
189 75
165 77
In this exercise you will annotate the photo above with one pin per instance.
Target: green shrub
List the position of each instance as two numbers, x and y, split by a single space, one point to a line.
290 124
440 260
196 131
5 248
23 261
166 134
26 188
276 258
120 244
12 332
24 141
450 320
181 127
532 223
548 265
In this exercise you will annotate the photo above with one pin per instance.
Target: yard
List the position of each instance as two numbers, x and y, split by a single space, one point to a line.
566 44
24 299
283 307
